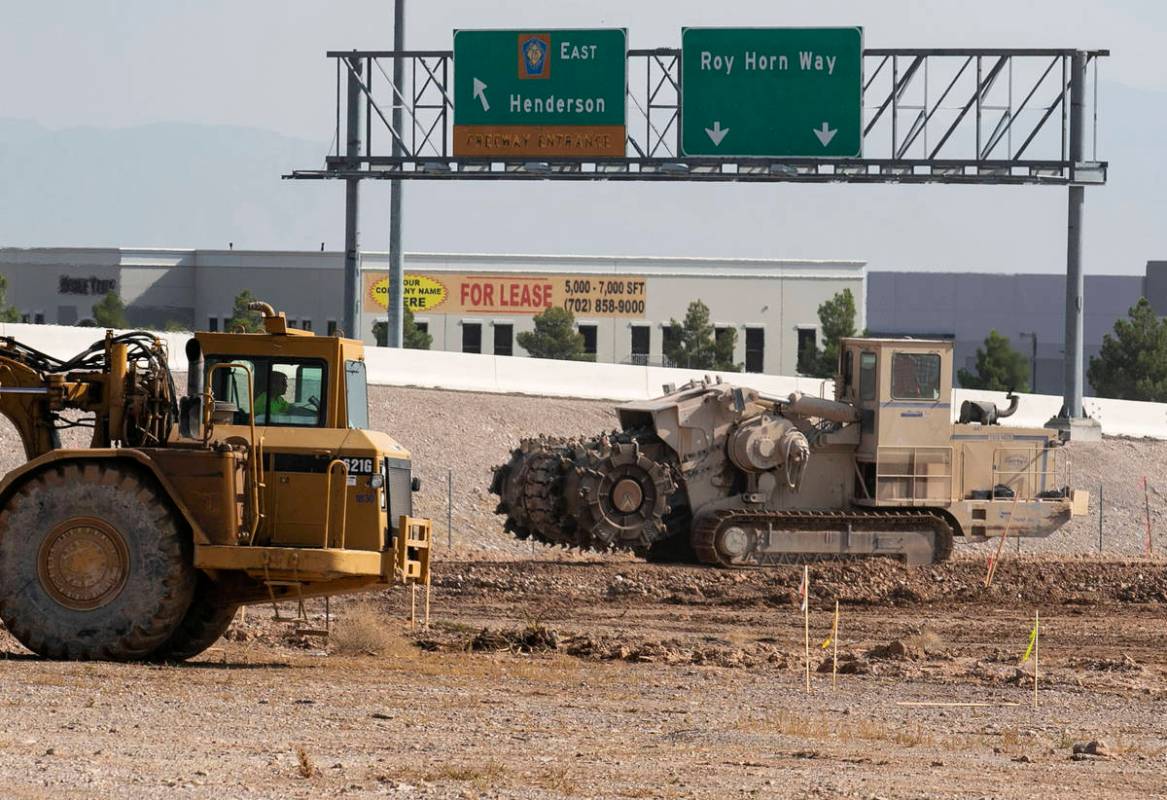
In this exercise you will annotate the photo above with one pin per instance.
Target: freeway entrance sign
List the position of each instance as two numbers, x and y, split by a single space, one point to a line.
772 92
549 93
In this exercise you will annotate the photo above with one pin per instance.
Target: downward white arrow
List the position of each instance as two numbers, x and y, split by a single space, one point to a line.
480 94
717 133
825 134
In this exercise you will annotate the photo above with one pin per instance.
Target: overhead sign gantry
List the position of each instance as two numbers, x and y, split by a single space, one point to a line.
738 105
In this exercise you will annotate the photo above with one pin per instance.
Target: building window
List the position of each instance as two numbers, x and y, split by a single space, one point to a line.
808 348
668 339
504 337
306 325
641 335
423 327
755 349
332 327
25 318
721 333
471 337
213 324
588 332
38 318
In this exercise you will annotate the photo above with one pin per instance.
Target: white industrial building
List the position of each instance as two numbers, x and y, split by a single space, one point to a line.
467 302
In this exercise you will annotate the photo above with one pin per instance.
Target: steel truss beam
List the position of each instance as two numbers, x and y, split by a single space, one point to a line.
930 116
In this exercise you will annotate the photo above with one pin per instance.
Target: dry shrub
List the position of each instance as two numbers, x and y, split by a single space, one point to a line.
822 728
558 780
533 638
362 631
304 765
483 776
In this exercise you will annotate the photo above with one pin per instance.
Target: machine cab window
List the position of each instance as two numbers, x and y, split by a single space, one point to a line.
867 365
287 392
915 376
357 394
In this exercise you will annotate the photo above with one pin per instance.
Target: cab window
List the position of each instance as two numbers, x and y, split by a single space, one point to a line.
915 376
867 376
357 394
287 392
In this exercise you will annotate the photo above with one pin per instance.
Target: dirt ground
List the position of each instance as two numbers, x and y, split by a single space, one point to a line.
548 673
600 678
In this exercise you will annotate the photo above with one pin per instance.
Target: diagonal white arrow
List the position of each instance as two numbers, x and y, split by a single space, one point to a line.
717 133
825 134
480 94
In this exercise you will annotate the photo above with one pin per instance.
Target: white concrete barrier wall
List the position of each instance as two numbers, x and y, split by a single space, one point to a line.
63 341
618 382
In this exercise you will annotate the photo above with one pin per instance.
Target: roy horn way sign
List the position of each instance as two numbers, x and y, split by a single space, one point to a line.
549 93
772 92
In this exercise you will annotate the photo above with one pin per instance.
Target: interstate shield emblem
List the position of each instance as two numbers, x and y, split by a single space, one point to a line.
534 51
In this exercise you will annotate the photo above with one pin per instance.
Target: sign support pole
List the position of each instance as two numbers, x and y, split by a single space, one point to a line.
1075 282
396 273
352 205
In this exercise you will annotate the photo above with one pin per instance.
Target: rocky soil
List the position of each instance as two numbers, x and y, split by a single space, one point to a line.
594 679
548 674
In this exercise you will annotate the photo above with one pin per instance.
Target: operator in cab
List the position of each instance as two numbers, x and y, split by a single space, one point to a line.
272 401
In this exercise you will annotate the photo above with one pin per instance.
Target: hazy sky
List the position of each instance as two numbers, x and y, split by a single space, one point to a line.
261 64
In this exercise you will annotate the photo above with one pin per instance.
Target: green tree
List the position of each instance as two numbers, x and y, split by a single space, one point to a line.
7 312
554 336
999 367
1132 364
110 312
837 321
414 337
694 344
724 342
241 318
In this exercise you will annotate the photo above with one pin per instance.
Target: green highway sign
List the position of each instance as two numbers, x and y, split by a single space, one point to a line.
772 92
532 93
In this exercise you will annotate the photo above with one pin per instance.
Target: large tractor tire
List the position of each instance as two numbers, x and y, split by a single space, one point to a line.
93 564
208 618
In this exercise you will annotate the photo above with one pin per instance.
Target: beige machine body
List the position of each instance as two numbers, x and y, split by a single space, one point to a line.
725 475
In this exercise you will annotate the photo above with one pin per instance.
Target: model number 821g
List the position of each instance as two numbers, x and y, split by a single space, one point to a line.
358 466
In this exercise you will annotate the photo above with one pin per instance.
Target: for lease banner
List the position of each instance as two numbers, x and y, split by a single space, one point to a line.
505 293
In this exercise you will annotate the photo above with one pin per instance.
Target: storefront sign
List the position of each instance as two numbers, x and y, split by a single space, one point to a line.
91 285
486 293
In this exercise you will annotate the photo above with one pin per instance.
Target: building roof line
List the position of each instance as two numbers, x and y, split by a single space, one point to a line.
435 255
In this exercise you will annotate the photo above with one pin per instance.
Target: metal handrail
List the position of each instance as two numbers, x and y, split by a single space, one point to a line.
255 445
1027 473
343 504
946 478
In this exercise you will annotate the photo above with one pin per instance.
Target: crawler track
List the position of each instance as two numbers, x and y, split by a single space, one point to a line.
748 526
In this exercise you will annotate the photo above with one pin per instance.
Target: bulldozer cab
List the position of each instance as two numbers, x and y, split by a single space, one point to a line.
328 481
903 389
911 453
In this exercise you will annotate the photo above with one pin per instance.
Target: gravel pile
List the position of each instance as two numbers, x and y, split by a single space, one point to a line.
464 435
